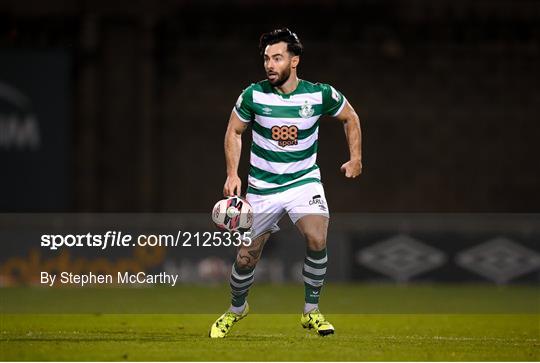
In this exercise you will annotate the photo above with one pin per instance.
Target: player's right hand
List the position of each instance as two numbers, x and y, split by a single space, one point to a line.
233 186
352 168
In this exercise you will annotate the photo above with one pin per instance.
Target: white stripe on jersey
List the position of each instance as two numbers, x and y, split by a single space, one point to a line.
272 145
261 184
282 168
272 99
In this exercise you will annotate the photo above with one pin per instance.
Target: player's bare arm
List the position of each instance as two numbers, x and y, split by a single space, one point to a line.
233 148
353 133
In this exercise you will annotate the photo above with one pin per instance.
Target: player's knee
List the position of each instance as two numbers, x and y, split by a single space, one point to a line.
245 262
316 241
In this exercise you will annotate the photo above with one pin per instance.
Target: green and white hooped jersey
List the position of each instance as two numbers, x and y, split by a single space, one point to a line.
285 130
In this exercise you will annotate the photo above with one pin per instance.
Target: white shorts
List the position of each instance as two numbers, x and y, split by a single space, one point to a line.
296 202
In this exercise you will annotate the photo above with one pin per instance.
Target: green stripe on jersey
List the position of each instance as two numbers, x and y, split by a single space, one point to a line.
284 156
283 188
267 133
279 178
284 111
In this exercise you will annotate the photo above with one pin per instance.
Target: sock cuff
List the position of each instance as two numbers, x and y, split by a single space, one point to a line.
239 301
317 255
242 271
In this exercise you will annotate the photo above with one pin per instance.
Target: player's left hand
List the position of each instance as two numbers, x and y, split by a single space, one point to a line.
352 168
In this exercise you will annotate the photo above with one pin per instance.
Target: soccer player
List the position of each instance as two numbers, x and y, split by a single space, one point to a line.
284 113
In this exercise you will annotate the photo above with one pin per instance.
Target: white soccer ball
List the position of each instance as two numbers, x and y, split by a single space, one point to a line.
233 214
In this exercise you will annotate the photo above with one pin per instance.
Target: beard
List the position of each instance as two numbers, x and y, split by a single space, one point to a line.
281 79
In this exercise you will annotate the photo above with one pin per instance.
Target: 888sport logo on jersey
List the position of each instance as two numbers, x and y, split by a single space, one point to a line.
285 135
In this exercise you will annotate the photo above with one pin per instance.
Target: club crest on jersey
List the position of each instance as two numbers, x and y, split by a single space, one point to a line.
306 111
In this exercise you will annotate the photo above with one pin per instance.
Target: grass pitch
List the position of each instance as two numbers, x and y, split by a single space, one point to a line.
509 332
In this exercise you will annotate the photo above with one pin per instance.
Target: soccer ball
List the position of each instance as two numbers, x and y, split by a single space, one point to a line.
233 214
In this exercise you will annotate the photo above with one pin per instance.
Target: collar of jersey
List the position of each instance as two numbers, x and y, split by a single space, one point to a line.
288 95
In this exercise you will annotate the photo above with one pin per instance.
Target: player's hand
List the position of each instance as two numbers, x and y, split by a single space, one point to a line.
352 168
233 186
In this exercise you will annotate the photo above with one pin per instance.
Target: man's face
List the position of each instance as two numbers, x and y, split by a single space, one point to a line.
278 63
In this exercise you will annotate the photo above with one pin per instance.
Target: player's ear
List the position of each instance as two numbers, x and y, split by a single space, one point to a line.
295 60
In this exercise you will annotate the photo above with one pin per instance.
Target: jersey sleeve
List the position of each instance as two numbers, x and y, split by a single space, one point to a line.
244 105
333 100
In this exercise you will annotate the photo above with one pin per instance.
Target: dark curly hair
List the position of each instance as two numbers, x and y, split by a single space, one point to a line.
282 35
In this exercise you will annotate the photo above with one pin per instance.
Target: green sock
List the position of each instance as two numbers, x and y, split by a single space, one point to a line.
314 272
240 282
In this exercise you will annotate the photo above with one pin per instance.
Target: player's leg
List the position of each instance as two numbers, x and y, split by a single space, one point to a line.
243 271
267 213
242 276
309 212
314 229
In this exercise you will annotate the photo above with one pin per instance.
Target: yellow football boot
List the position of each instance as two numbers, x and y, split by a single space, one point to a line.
222 326
315 320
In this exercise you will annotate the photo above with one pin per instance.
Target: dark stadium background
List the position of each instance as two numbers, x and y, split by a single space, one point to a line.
447 92
121 106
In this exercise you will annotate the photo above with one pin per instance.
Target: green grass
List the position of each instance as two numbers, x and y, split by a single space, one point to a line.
282 299
269 337
450 331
